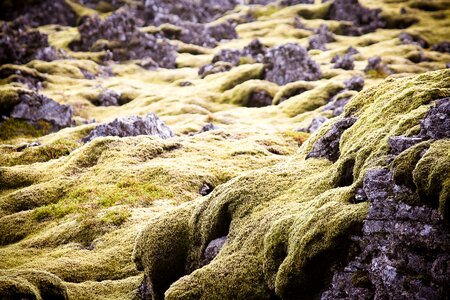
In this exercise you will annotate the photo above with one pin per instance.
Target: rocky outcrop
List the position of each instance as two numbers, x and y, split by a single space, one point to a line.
131 126
35 107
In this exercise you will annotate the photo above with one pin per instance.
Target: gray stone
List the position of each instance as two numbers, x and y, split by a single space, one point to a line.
35 107
213 249
328 145
131 126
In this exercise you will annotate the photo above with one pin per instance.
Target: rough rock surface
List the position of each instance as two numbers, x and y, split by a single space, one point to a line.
14 36
35 107
364 20
355 83
289 63
315 124
442 47
320 38
119 36
328 145
214 248
131 126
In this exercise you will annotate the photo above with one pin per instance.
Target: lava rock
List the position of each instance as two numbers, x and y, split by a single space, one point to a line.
322 36
328 145
120 36
209 127
442 47
436 124
108 98
399 144
213 249
377 65
259 98
364 20
31 80
256 50
131 126
38 13
228 55
355 83
214 68
205 189
34 107
14 36
345 62
410 39
289 63
337 104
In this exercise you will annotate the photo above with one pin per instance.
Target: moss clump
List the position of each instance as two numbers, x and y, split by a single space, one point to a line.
286 225
431 175
241 94
12 128
31 284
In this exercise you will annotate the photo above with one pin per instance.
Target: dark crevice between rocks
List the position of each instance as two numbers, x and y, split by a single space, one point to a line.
346 173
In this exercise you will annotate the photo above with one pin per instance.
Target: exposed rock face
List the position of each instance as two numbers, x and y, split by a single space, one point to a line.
436 124
283 64
364 20
14 36
34 107
407 38
38 13
289 63
375 64
131 126
345 62
355 83
213 249
442 47
108 98
124 41
322 36
259 98
328 145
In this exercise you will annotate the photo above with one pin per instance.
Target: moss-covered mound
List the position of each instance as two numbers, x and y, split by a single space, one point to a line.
286 225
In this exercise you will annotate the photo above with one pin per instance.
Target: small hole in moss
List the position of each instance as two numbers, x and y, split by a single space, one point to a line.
346 173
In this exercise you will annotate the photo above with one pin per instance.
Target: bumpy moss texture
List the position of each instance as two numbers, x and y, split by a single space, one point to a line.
75 210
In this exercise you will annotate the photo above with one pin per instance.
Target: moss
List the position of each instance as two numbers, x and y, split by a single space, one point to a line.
431 175
12 128
311 99
292 89
240 94
31 284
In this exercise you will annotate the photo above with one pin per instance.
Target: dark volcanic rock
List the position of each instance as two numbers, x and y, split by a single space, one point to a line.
122 38
355 83
364 20
214 68
377 65
14 36
31 80
131 126
34 107
209 127
328 145
108 98
399 144
407 38
259 98
442 47
401 246
256 50
213 249
436 124
345 62
322 36
283 2
204 35
289 63
205 189
228 55
38 13
337 104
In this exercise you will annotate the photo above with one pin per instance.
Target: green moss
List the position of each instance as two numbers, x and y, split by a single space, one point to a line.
311 99
431 175
286 225
12 128
31 284
240 94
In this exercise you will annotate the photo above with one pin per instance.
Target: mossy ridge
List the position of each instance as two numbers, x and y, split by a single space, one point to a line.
302 194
